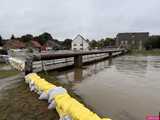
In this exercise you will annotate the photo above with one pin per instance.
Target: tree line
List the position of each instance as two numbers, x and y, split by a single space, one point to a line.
102 43
152 43
66 44
42 39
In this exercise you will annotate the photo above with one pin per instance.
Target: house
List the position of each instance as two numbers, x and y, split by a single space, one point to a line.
36 45
79 43
14 44
133 40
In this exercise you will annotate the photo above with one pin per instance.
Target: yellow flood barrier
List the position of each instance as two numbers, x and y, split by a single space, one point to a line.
67 107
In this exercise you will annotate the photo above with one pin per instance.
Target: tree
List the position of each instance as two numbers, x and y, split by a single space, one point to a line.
109 42
12 37
153 42
43 38
93 44
0 41
67 44
101 43
27 38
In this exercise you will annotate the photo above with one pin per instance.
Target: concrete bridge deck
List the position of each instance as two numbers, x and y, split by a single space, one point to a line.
49 61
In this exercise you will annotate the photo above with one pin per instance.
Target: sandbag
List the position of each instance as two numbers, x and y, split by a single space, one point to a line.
67 107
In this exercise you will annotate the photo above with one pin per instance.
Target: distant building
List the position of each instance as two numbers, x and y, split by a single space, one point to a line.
36 45
52 45
14 44
134 40
79 43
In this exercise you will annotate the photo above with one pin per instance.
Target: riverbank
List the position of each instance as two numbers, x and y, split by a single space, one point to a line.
7 71
155 52
18 103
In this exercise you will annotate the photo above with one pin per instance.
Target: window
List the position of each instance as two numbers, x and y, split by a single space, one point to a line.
81 44
81 48
74 49
74 44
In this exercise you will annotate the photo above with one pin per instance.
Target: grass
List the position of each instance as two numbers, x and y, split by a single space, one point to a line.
2 64
19 103
8 73
155 52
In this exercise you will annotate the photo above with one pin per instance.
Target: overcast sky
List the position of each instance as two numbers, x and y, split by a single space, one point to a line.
93 19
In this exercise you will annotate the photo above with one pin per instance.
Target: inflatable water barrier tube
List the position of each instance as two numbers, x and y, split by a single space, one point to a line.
67 107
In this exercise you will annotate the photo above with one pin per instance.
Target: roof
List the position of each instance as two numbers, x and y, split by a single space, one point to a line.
14 44
36 44
131 33
81 37
133 36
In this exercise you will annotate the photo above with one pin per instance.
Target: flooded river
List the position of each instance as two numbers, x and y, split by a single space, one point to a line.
125 88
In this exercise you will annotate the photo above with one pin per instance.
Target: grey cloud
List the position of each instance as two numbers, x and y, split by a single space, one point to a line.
66 18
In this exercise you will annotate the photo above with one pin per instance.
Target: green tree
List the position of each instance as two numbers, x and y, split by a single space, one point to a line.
12 37
109 42
0 41
43 38
153 42
27 38
101 43
93 44
67 44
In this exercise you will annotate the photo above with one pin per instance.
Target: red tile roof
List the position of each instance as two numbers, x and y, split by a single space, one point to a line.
36 44
14 44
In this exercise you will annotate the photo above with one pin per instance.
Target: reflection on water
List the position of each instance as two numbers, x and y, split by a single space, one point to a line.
125 88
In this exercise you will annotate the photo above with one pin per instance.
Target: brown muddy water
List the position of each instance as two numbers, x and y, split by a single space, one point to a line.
125 88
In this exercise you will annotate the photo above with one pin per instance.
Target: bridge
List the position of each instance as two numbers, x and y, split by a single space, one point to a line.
49 61
76 58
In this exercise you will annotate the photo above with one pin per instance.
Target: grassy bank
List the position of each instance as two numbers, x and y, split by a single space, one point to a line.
19 103
2 64
146 52
8 73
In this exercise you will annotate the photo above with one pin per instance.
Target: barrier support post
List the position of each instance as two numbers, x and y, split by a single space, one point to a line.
78 61
28 65
110 54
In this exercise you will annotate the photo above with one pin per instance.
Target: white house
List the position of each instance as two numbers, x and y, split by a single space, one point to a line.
79 43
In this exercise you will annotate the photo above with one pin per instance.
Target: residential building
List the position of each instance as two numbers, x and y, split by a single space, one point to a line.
14 44
36 45
79 43
133 40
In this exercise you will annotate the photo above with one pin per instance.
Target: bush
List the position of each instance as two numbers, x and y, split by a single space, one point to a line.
3 52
